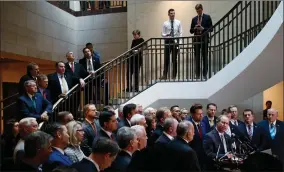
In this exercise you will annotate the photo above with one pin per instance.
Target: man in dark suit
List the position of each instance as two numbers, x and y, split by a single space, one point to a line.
59 83
91 128
234 115
252 131
32 72
161 115
200 25
74 68
217 143
199 133
59 143
37 151
210 120
274 130
42 84
32 104
128 111
182 156
128 143
268 105
160 147
103 154
108 125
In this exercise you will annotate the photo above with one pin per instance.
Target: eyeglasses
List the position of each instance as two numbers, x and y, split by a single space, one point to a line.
80 130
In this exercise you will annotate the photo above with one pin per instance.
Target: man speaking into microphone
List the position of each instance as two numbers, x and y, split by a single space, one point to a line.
217 144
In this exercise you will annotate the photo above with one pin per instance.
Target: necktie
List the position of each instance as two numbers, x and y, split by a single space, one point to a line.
235 123
172 28
224 143
211 122
112 137
199 20
272 131
199 130
90 66
249 131
64 84
72 66
34 101
94 127
44 94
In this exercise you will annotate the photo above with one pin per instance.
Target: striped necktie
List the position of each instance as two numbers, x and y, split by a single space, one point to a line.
272 131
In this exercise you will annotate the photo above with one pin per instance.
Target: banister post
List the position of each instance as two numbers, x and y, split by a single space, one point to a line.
82 98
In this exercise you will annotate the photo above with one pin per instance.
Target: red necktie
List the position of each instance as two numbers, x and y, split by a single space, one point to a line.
72 66
44 94
199 130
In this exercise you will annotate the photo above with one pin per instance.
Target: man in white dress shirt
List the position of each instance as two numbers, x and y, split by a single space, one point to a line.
171 29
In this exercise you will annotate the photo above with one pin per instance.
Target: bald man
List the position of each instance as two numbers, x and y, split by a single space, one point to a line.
274 129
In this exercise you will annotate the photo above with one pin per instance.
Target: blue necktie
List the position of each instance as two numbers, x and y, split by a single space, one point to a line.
272 131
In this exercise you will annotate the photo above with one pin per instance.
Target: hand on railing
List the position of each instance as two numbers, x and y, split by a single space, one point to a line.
44 116
63 95
82 83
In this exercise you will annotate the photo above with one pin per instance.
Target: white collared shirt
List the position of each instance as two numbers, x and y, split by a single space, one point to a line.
196 123
167 27
128 152
185 140
108 133
233 122
41 90
70 64
212 119
94 162
61 84
90 67
128 121
30 96
59 149
169 136
228 131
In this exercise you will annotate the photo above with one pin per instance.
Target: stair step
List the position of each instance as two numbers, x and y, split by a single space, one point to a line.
117 101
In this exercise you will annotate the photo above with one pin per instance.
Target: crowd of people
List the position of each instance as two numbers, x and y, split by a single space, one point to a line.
164 139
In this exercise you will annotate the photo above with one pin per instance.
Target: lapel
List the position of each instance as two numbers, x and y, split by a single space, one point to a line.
219 142
277 129
104 134
61 156
56 79
37 103
30 102
243 129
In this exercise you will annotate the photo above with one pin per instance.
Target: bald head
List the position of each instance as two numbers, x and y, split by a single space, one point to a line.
272 115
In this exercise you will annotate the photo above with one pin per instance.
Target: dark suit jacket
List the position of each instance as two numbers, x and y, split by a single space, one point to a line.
212 141
103 134
22 82
56 159
54 84
163 139
160 155
47 93
85 166
277 143
259 136
206 23
121 162
89 136
123 123
96 63
155 135
27 108
79 72
182 156
205 121
142 160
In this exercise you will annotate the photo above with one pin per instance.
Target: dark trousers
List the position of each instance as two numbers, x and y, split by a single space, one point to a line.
102 3
170 47
85 5
133 67
201 49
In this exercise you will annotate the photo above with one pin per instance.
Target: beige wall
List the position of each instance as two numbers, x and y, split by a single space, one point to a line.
39 29
149 17
275 94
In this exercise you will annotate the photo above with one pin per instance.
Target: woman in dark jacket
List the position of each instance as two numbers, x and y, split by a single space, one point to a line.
134 62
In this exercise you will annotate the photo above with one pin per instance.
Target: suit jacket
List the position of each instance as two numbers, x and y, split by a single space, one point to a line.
160 155
22 82
27 108
96 63
258 138
121 162
206 23
123 123
277 143
155 135
56 159
205 121
103 134
54 84
85 166
182 156
89 136
211 143
142 160
47 93
79 70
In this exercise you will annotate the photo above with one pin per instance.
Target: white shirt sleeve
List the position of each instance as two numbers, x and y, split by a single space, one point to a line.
180 30
164 31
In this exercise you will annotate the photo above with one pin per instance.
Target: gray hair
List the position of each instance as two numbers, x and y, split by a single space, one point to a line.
124 136
272 110
36 141
135 119
183 128
29 82
169 122
120 109
148 111
26 122
68 53
220 117
139 130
